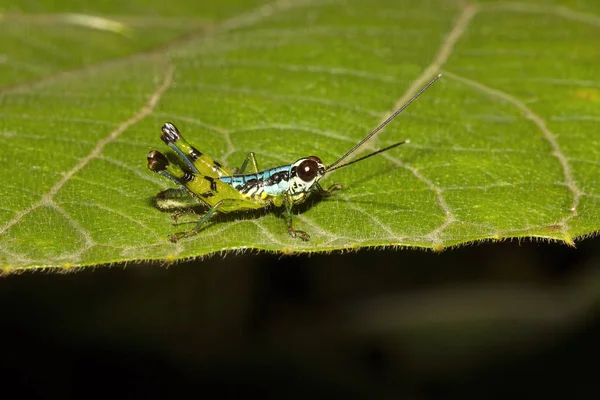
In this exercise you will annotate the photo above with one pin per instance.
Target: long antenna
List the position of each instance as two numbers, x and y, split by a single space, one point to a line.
369 155
380 127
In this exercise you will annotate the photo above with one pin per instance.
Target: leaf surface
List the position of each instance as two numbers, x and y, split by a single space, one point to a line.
505 145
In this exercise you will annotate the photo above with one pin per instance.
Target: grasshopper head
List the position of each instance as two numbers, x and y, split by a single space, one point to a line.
304 173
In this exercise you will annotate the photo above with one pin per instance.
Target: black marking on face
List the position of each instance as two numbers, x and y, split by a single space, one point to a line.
213 184
169 133
206 195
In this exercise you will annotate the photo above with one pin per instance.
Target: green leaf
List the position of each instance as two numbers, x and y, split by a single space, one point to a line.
505 145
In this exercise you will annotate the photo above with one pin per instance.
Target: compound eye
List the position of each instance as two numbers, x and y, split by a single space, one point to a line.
307 170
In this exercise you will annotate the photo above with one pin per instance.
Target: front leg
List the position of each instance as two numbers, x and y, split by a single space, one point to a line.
329 191
288 212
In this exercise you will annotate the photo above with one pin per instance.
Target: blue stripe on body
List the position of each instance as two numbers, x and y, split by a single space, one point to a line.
239 181
278 188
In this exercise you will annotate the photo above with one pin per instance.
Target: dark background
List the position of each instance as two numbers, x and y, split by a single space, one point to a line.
515 319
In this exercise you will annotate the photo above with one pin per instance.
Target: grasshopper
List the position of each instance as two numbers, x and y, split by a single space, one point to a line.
204 181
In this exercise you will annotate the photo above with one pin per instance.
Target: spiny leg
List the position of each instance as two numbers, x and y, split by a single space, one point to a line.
200 187
158 162
181 235
197 162
223 206
173 199
188 153
249 157
288 212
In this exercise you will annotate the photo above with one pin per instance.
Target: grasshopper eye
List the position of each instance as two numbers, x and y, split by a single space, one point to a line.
307 170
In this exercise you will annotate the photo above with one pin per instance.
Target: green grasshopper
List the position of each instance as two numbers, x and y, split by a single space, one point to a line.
204 181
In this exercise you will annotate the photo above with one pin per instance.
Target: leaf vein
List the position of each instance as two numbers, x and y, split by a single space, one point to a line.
48 198
528 113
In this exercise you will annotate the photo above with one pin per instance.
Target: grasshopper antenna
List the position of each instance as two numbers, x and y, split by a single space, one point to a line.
368 155
332 167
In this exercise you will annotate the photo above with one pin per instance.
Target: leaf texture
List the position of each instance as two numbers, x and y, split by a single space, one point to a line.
504 146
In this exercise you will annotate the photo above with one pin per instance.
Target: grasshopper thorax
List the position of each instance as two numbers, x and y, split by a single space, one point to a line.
305 173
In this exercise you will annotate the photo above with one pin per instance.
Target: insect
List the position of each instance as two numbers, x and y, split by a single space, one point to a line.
204 181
